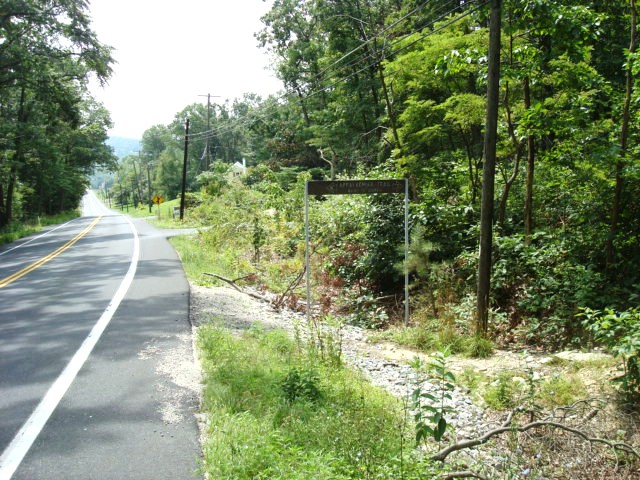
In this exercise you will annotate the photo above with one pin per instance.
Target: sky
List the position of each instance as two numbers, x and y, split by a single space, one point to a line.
171 54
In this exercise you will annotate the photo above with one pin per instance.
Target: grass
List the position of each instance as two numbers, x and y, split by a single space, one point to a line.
430 337
276 413
142 210
197 259
17 230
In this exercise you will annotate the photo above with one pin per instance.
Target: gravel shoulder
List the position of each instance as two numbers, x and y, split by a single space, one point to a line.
387 366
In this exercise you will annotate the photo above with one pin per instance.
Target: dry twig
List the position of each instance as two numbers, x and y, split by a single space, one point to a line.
508 426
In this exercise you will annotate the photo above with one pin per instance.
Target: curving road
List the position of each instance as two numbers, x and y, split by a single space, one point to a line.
90 313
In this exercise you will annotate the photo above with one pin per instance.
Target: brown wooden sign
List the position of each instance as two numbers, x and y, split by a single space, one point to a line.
350 187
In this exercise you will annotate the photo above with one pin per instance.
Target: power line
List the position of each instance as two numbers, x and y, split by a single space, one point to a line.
221 130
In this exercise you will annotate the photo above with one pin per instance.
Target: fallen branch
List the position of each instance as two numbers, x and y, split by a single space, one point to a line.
454 475
236 286
508 427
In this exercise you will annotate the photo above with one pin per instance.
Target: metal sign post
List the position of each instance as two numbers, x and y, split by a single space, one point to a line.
357 187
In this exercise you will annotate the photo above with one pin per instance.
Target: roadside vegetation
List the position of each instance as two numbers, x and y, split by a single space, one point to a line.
277 408
16 230
254 240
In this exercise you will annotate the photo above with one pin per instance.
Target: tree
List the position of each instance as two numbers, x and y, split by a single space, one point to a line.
624 140
488 172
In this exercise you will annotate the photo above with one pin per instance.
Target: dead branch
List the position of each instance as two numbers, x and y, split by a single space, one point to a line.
333 175
454 475
294 284
236 286
509 427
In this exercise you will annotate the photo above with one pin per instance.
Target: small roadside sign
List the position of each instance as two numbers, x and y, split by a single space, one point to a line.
157 199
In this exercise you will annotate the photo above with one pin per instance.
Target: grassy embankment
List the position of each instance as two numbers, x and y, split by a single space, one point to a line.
17 230
277 410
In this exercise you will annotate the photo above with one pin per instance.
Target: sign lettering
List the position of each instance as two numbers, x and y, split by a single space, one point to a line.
350 187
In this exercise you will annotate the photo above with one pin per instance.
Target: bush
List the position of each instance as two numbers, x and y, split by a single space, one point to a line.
542 283
620 333
301 383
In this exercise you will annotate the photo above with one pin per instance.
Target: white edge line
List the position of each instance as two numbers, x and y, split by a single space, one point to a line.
21 443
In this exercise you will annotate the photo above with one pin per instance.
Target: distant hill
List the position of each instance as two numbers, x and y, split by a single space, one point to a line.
123 146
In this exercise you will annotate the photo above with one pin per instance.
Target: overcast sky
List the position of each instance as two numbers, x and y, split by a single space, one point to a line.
170 52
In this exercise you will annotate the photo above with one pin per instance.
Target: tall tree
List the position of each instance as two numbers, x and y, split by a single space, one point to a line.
624 140
48 52
488 172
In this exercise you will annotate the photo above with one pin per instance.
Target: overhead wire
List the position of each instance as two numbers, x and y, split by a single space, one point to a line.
221 130
440 13
227 128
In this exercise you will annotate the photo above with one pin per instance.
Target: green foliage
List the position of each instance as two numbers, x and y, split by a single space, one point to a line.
543 283
479 347
321 339
214 180
418 337
561 390
504 392
52 132
301 383
350 431
16 230
418 112
431 409
620 333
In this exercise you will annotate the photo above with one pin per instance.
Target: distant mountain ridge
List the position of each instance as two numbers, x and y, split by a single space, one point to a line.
123 146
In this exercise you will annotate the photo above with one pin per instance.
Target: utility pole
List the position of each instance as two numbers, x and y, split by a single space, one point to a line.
135 174
489 170
207 149
149 188
184 169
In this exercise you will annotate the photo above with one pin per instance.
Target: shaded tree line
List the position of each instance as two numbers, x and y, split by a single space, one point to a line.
52 132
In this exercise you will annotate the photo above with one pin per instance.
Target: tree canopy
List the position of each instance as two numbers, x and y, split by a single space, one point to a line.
52 132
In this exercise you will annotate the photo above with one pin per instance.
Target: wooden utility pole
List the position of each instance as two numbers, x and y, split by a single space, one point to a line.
206 155
184 169
149 187
489 170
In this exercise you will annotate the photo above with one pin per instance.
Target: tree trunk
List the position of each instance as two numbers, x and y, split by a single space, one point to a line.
390 112
531 153
616 207
488 173
13 171
502 209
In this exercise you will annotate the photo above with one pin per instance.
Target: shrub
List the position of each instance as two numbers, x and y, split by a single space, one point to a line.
620 333
478 347
542 282
301 383
503 393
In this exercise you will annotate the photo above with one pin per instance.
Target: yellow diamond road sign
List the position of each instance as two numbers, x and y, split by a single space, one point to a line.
157 199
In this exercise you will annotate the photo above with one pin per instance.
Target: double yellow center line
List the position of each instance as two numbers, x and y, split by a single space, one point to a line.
15 276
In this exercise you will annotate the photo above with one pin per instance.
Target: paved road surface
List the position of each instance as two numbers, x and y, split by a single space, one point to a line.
96 371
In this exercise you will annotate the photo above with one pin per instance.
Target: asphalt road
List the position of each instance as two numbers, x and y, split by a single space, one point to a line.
95 353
